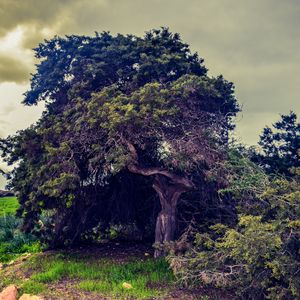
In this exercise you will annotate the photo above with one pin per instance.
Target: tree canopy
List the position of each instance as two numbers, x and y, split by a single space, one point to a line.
86 64
123 114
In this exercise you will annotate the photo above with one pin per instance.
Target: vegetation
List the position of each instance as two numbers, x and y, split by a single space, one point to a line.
108 278
147 277
259 258
280 146
140 111
8 205
13 242
134 145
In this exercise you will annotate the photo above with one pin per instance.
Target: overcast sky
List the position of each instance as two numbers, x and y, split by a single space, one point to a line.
253 43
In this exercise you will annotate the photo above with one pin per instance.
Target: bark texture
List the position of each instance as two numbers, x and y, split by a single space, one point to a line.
169 188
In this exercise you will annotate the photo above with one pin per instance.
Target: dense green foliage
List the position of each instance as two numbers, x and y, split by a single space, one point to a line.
260 257
123 113
134 141
280 145
14 242
81 65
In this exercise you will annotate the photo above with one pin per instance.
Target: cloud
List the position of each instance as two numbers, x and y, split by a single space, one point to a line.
43 18
13 70
254 43
7 109
30 12
25 24
13 114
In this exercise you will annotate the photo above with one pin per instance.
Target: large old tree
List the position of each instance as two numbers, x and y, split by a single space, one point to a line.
118 106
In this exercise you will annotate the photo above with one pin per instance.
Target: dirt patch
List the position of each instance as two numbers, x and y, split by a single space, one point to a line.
116 251
66 289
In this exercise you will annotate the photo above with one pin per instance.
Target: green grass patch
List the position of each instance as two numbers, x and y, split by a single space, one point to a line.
55 272
8 205
149 278
33 287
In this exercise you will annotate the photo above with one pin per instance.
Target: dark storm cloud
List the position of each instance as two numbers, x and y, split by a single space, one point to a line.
254 43
30 12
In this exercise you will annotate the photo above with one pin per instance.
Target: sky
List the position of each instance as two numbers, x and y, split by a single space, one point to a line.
254 44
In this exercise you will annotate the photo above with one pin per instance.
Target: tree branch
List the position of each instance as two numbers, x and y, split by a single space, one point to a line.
134 167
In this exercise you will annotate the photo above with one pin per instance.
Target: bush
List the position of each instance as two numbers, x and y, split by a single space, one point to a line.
13 242
256 259
259 258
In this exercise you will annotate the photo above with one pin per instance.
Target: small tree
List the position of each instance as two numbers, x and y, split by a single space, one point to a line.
280 145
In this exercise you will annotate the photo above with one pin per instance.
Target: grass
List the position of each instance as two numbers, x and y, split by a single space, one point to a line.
32 287
89 274
149 278
8 205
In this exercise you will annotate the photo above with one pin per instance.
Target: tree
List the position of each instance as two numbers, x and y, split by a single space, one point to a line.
280 145
120 105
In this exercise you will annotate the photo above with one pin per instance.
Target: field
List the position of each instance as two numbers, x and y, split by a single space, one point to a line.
8 205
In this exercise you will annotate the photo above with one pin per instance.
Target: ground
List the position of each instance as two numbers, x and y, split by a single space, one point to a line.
98 273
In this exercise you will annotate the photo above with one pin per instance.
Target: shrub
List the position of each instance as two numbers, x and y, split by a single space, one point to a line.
13 241
259 258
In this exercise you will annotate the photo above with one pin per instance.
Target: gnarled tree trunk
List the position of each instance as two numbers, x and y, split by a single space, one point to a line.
169 187
166 219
